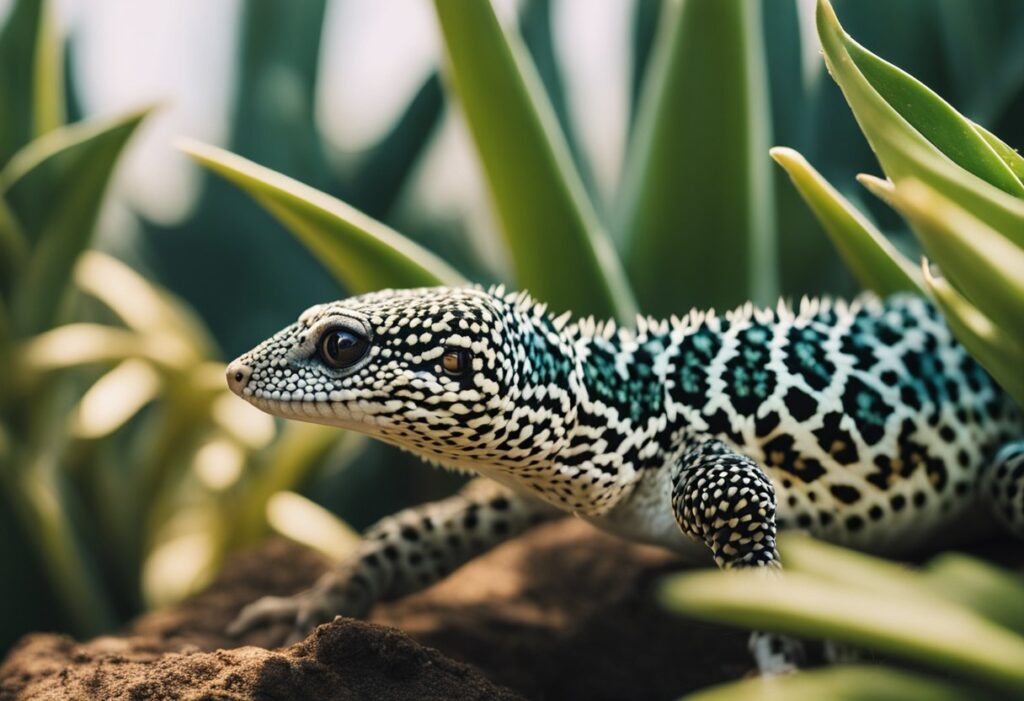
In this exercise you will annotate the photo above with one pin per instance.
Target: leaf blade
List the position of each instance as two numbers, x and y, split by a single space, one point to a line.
874 261
945 637
72 165
540 200
685 152
846 683
986 267
363 254
1011 157
48 74
986 342
18 41
886 99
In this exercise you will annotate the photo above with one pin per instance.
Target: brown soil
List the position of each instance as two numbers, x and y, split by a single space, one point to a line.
562 613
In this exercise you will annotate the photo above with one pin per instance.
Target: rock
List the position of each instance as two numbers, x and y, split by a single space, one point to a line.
564 612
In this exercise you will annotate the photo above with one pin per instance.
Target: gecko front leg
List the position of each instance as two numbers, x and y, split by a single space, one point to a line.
402 554
726 501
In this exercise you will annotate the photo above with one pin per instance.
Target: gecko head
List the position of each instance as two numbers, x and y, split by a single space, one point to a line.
433 370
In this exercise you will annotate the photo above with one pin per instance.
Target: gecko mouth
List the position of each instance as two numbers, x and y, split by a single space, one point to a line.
339 414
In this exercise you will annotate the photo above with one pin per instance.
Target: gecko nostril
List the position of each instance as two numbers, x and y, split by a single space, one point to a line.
238 375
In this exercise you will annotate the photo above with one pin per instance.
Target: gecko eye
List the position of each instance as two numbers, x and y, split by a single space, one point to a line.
455 361
341 348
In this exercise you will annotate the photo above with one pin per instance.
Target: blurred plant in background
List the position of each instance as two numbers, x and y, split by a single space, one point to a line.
698 220
127 468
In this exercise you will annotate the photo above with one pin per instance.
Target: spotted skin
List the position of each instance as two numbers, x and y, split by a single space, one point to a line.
864 423
727 502
404 553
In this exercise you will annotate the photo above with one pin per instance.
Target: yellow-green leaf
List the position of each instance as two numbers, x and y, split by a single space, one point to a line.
990 591
875 262
140 303
845 683
560 250
306 522
987 343
946 637
363 254
115 398
1001 211
1010 156
72 345
879 187
987 268
886 99
48 74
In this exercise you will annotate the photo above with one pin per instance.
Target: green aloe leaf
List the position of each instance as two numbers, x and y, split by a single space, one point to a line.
560 251
987 268
702 130
879 187
1013 159
70 166
363 254
947 637
990 345
873 259
847 683
31 76
990 591
1001 211
886 99
950 578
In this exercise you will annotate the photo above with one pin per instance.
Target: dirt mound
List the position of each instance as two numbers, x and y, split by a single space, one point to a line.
562 613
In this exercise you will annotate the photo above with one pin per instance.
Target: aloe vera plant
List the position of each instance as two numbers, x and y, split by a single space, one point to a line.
958 186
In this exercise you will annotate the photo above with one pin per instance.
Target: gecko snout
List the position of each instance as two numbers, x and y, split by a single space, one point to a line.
238 374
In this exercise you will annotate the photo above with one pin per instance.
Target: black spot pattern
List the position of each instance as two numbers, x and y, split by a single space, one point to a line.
696 353
780 452
835 441
870 413
806 356
748 382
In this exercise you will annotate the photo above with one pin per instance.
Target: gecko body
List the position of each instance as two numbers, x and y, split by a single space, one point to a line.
864 423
